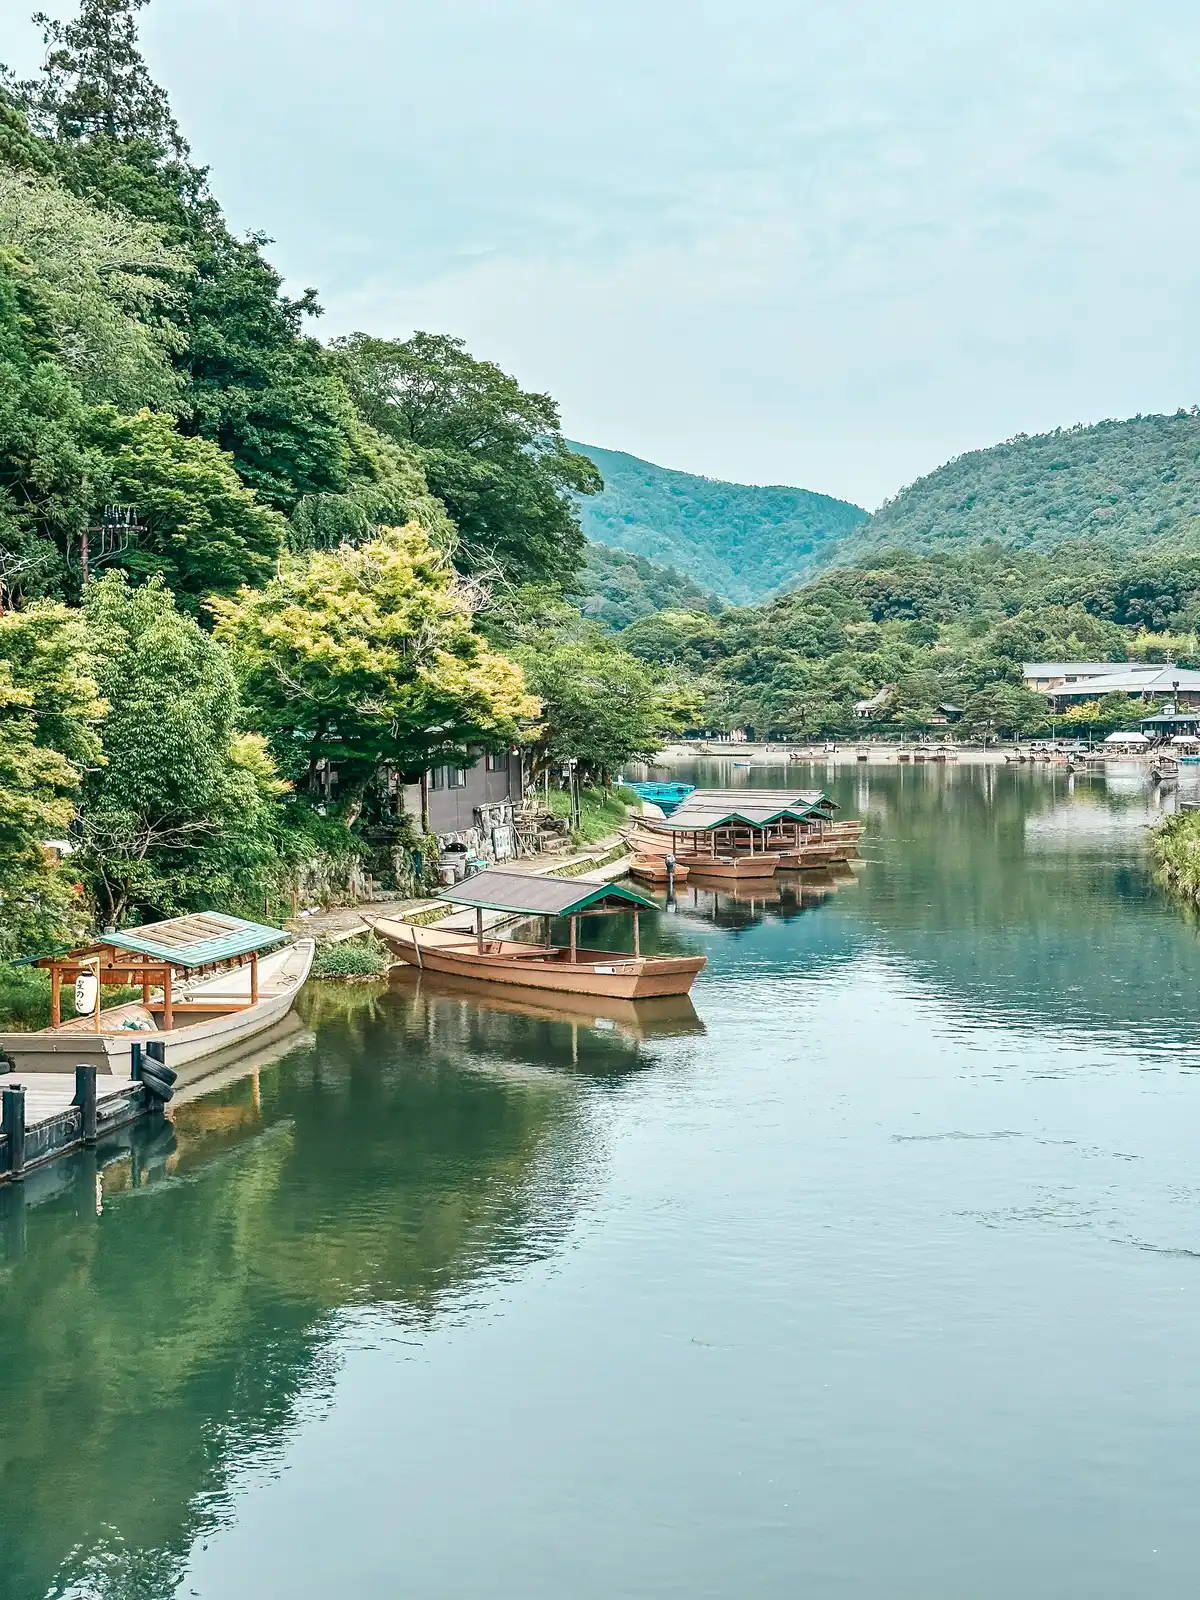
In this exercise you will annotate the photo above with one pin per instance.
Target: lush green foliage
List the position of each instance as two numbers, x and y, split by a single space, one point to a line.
182 810
600 706
616 588
352 958
1128 483
364 657
1175 851
492 452
601 811
737 540
936 629
49 707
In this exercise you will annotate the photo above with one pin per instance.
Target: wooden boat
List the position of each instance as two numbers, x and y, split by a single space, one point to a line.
207 990
719 864
653 869
565 969
663 1016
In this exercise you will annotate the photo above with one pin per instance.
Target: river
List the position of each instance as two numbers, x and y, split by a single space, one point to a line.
877 1276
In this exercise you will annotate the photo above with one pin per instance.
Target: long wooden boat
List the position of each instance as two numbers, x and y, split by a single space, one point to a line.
566 969
731 865
208 989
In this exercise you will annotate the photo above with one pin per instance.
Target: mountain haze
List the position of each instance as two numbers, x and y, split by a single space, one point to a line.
741 541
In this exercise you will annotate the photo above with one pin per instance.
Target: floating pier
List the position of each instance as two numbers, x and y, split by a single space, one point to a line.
48 1114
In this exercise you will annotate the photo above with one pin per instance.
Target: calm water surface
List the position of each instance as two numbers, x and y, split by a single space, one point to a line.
877 1276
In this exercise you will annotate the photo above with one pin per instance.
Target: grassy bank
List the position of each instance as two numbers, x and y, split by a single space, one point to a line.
601 811
1175 851
25 999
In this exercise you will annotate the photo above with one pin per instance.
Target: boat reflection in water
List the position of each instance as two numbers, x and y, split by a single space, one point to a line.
787 895
661 1017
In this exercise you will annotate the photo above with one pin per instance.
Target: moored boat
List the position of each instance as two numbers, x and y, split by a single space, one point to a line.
564 968
210 983
653 869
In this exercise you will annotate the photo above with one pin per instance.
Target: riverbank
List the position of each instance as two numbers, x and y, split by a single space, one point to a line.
848 754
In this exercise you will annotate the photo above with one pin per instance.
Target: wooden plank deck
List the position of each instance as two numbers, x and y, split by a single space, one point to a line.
54 1125
49 1094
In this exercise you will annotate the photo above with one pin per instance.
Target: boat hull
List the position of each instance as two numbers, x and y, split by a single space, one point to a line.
526 966
188 1048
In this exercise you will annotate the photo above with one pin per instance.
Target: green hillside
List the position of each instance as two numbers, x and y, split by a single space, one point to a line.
741 541
617 588
1124 482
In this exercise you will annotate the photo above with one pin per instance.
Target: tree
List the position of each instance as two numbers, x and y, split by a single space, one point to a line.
252 383
600 706
107 285
49 709
1004 708
492 452
205 531
365 658
181 815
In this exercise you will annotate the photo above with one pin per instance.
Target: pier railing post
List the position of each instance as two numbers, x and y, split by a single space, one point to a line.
12 1120
85 1099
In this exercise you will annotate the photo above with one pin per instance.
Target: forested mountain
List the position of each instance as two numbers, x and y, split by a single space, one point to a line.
1125 482
616 588
741 541
947 627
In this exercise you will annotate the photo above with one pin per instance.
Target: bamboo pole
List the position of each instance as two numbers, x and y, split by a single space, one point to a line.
637 933
574 948
55 994
479 929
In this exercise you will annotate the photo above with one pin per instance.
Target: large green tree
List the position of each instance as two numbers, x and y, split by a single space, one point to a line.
365 657
492 452
182 813
252 381
600 706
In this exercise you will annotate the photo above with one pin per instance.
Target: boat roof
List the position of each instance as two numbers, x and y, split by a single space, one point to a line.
706 809
196 940
764 797
496 890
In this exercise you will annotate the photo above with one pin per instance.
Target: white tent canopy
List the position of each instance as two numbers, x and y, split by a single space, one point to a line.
1127 738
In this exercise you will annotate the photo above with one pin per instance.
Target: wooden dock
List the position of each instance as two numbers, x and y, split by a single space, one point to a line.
47 1114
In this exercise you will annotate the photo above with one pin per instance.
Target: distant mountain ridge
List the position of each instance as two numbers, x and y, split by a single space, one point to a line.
739 541
1127 483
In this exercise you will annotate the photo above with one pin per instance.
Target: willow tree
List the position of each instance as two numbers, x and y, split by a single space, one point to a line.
366 658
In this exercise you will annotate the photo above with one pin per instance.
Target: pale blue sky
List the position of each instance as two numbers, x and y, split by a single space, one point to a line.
820 242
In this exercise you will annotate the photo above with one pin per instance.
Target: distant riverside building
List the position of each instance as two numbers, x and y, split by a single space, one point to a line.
1066 683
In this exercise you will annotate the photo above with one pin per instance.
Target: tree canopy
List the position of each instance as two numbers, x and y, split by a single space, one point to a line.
362 658
492 452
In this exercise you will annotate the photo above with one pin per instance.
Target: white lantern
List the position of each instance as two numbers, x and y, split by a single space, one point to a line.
85 993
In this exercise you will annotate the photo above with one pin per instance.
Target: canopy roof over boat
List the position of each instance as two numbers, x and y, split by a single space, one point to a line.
706 809
196 940
495 890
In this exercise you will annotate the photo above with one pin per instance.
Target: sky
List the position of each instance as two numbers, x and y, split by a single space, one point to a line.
829 243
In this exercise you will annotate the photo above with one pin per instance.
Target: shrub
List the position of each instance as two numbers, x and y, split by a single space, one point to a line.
365 957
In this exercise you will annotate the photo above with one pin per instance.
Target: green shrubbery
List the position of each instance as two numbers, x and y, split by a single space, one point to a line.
601 811
1175 851
365 957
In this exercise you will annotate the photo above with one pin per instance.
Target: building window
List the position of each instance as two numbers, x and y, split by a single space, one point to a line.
456 778
496 763
437 778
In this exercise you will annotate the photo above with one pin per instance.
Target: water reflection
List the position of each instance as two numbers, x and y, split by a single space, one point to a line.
173 1306
1015 894
164 1304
